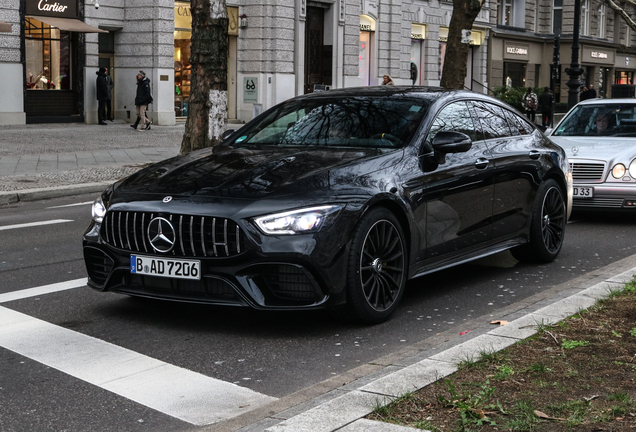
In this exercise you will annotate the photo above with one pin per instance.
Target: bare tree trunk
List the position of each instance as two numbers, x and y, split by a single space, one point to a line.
207 111
464 14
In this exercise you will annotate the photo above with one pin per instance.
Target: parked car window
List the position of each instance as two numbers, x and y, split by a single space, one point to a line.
608 119
360 121
518 126
453 117
493 120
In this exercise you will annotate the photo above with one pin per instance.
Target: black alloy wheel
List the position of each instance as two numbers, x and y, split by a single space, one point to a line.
547 228
377 267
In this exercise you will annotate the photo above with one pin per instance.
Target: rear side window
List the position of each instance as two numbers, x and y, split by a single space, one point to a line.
493 120
518 126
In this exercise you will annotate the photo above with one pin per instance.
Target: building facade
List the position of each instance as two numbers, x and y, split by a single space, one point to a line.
522 41
278 49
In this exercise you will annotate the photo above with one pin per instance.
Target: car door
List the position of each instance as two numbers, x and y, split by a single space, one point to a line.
459 190
511 140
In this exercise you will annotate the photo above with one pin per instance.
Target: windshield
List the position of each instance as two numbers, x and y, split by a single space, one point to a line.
600 120
360 121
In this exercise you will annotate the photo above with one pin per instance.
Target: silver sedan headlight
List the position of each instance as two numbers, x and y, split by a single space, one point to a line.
618 171
99 210
302 221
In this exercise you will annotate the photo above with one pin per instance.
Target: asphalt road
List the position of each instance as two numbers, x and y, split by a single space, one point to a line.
273 354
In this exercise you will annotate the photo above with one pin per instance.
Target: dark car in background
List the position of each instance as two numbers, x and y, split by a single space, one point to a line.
334 200
599 136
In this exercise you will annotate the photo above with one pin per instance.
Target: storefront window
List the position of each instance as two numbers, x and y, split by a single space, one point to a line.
182 67
367 27
624 77
514 74
48 56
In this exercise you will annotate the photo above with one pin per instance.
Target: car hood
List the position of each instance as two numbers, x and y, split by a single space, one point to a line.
602 148
251 172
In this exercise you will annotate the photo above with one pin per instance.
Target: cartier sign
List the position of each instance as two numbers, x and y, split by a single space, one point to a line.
52 8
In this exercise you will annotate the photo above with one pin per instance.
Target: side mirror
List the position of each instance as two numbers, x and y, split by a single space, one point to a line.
451 142
227 133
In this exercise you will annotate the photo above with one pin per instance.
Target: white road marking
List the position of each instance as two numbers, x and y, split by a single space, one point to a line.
72 205
46 289
180 393
32 224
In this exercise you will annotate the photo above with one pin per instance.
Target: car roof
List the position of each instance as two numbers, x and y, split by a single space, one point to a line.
608 101
424 92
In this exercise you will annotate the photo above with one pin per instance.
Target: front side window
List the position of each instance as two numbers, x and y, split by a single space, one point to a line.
48 56
364 122
453 118
600 120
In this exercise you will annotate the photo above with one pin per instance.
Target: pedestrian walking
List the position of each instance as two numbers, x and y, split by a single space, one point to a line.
530 103
387 80
142 100
546 101
102 95
109 88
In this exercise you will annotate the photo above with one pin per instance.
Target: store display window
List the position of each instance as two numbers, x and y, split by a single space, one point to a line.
182 67
48 56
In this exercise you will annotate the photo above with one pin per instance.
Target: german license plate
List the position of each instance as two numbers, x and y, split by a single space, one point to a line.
165 267
583 192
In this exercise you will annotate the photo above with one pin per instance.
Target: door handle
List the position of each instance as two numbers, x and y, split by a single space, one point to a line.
534 154
482 163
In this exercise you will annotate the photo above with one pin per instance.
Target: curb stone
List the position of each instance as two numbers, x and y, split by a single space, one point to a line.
52 192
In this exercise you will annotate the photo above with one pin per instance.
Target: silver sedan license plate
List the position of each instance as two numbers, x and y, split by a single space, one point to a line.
165 267
583 192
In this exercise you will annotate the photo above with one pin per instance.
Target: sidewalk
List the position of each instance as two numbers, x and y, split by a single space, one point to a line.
46 161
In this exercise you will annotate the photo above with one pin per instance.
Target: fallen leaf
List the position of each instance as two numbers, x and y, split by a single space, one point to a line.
464 332
500 322
545 416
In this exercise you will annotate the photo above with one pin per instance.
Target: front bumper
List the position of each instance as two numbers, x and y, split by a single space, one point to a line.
261 276
607 196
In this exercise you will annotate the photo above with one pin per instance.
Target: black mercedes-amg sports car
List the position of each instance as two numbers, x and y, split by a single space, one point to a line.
335 200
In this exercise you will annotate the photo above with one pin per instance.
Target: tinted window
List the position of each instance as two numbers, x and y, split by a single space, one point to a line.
600 120
518 126
492 119
453 117
339 122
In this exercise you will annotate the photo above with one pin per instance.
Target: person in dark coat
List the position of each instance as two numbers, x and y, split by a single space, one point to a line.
591 93
142 100
102 95
109 86
546 100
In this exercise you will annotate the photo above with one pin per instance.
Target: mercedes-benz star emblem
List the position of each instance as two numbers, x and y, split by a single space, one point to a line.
161 234
575 150
167 199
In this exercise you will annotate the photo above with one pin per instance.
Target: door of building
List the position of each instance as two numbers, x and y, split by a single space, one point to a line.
314 41
107 61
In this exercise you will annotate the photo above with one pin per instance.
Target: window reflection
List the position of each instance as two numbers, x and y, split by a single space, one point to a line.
492 119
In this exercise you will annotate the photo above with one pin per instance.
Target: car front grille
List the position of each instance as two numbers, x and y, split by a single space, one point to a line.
196 236
289 282
599 203
587 172
210 289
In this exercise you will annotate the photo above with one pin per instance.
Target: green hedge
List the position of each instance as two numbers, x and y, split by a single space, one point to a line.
513 96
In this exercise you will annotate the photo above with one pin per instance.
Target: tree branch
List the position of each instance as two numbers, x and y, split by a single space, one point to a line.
628 20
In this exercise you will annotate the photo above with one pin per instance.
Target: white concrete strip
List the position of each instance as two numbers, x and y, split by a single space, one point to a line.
34 224
364 425
177 392
46 289
472 349
334 414
72 205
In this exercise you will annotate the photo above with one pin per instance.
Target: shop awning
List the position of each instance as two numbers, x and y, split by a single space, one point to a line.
69 24
5 27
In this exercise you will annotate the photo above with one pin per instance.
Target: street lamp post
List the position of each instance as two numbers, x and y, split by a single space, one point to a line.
575 71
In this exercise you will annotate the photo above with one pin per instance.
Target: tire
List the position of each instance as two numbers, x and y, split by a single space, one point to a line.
547 227
377 267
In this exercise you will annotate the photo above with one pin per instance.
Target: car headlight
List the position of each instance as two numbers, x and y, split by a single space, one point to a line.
632 169
301 221
618 171
99 210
